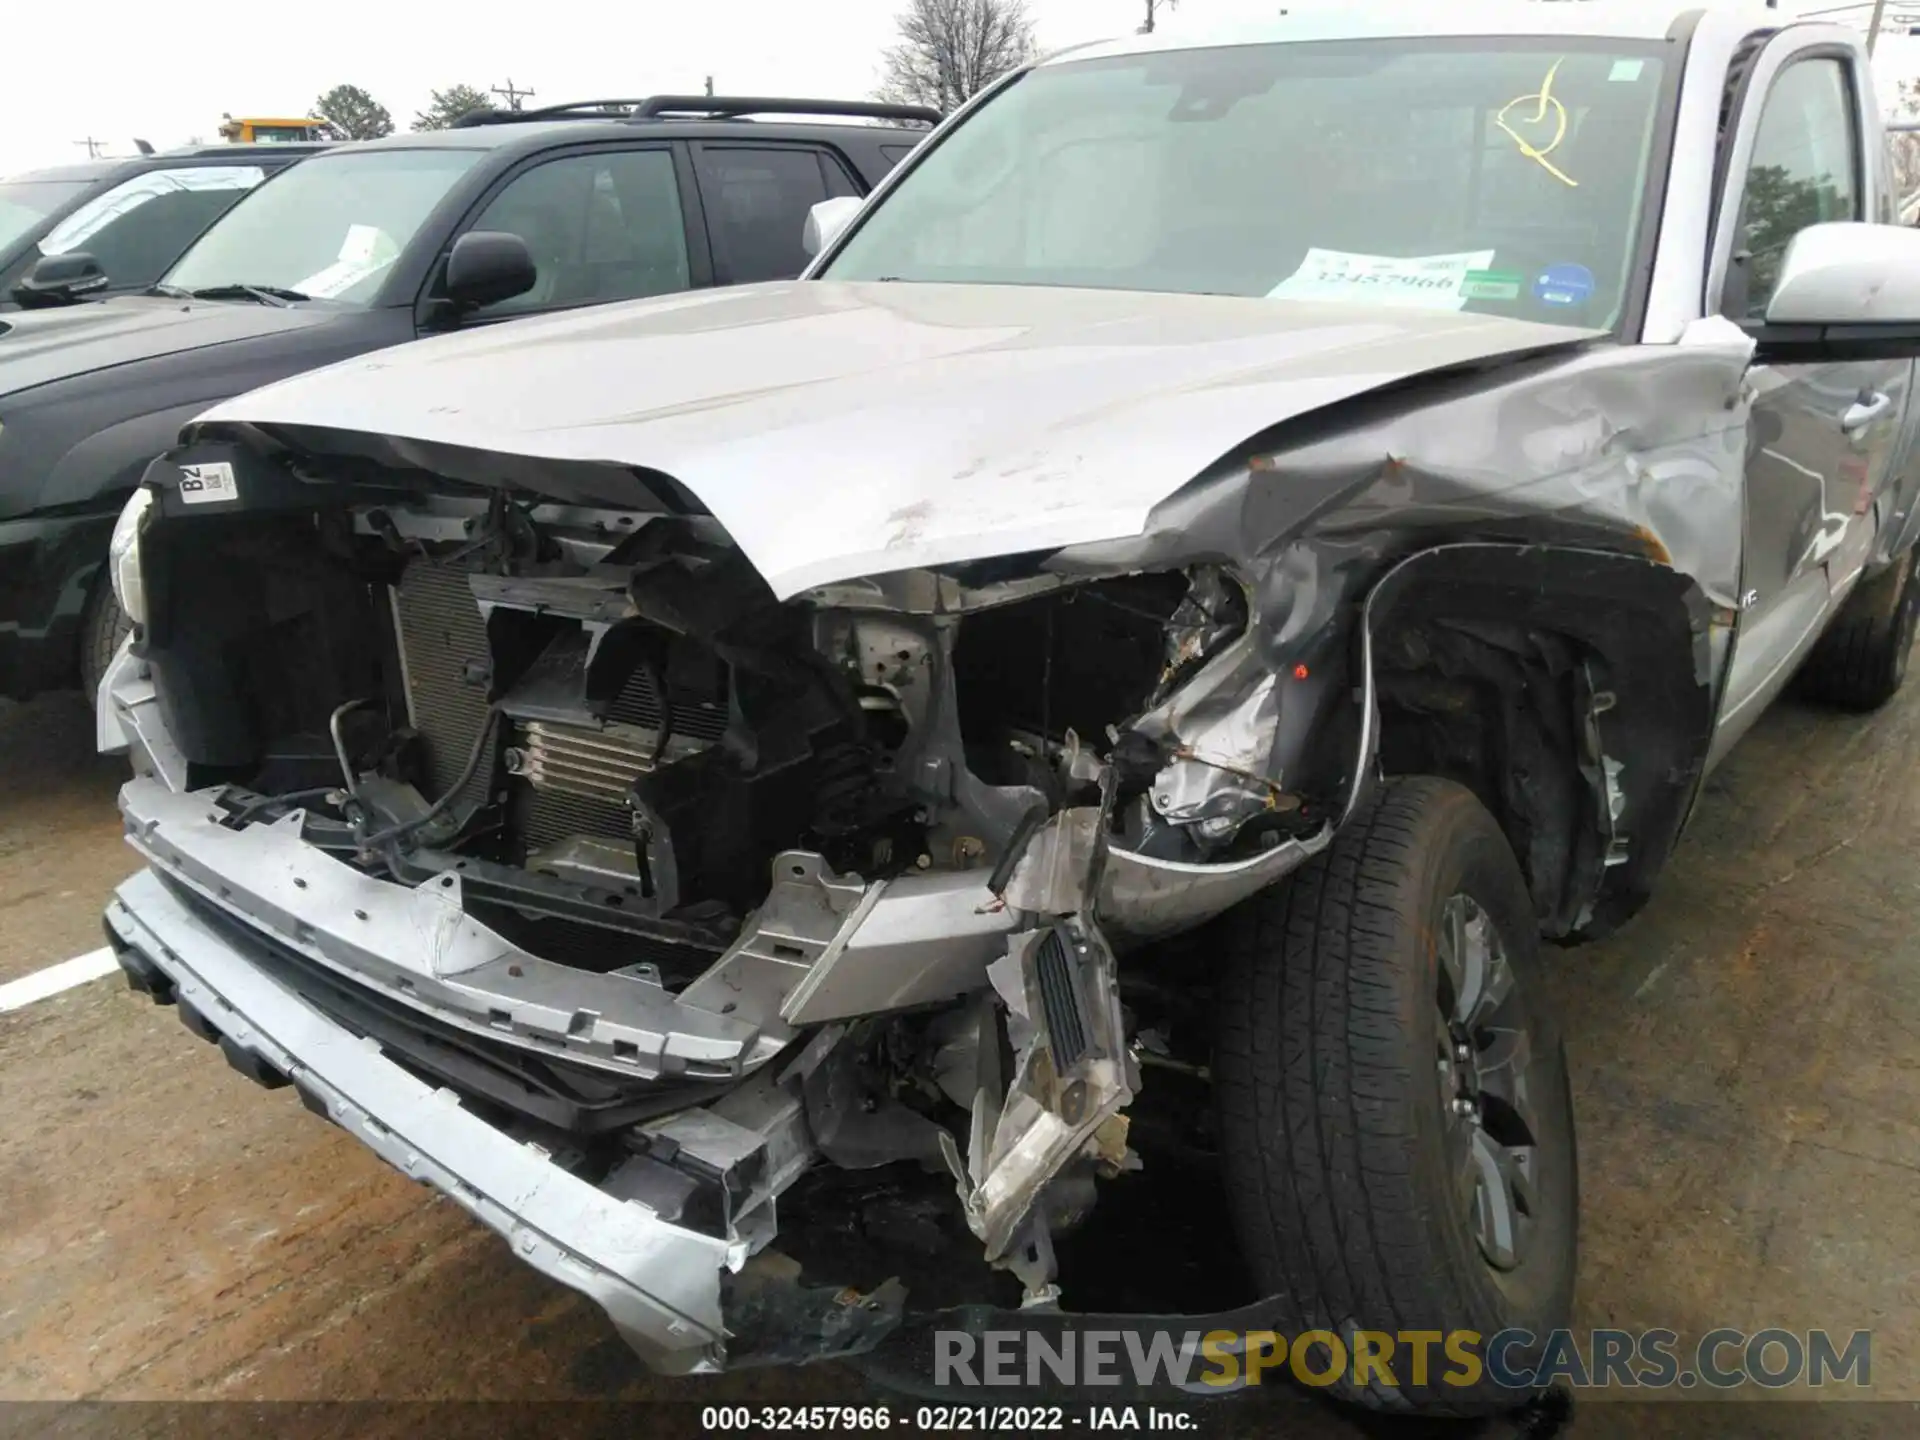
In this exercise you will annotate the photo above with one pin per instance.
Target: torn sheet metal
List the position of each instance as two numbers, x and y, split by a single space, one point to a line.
1632 452
1223 772
1638 448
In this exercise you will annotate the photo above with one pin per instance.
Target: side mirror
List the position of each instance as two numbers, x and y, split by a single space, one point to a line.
488 266
60 280
828 220
1849 273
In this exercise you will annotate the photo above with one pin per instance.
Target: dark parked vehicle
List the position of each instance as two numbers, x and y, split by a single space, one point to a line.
367 246
134 218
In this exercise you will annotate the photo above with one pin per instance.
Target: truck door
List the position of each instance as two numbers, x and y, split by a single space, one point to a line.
1821 443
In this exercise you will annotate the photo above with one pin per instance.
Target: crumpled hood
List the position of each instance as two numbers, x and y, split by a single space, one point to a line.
839 430
41 346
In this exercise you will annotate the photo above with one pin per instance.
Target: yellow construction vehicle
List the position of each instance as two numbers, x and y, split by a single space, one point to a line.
253 131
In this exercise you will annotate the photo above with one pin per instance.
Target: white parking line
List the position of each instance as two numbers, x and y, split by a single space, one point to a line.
55 978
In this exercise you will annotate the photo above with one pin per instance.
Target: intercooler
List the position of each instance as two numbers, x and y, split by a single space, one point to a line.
563 780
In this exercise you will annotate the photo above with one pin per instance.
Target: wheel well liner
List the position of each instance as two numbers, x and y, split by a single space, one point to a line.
1571 690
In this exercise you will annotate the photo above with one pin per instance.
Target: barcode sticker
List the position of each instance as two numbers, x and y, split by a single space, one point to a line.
205 484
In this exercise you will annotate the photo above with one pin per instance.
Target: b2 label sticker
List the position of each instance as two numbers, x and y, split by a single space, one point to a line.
1492 285
1564 285
206 484
1625 72
1427 282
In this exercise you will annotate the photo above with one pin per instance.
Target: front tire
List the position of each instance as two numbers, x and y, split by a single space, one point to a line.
1861 662
102 628
1393 1099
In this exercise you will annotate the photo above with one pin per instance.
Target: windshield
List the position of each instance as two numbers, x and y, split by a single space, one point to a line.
327 228
140 227
25 204
1504 176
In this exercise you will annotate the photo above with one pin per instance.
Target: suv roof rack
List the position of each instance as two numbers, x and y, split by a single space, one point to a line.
713 107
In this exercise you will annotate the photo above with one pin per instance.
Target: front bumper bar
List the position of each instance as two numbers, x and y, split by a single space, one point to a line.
659 1284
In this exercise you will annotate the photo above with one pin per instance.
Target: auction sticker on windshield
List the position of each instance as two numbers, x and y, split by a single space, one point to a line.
1434 282
204 484
366 251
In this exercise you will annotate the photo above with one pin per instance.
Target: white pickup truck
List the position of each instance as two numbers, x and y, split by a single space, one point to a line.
1106 682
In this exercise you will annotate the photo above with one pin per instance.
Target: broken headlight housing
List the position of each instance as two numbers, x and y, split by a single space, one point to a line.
123 555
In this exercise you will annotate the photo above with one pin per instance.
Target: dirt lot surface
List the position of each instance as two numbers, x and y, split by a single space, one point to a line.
1746 1060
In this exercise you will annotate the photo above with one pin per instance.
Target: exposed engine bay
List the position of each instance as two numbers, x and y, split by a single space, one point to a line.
841 883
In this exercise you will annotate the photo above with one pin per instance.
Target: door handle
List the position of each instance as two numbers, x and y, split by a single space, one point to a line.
1870 407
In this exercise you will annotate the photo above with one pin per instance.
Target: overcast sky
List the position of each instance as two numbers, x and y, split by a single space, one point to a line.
203 57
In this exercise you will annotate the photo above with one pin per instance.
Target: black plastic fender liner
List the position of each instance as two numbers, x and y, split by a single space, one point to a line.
1649 628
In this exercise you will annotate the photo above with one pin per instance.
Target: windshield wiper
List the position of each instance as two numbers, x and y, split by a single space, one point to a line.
260 294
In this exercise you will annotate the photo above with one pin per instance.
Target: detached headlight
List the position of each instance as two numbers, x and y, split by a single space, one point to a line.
123 555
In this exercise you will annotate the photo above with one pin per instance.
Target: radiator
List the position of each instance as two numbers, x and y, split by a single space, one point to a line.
573 779
441 633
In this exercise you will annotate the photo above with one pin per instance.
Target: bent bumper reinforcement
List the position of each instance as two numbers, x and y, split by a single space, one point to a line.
658 1283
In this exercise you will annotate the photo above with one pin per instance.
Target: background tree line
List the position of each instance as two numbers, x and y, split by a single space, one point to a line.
945 53
355 115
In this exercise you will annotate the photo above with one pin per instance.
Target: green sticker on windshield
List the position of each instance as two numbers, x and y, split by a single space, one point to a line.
1491 285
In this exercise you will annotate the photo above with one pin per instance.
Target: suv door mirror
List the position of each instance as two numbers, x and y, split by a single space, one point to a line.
60 280
488 266
1849 273
828 220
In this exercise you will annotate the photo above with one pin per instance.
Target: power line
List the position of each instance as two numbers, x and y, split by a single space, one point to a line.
93 147
512 96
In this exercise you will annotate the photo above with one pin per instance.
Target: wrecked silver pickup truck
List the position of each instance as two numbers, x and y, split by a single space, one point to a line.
795 805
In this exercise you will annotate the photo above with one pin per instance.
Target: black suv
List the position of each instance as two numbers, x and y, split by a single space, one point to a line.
370 245
134 217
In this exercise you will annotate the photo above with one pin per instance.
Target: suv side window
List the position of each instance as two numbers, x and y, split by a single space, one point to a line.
140 227
601 227
1805 171
757 199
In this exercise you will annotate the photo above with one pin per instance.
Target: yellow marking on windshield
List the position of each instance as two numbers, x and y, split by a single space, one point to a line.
1544 101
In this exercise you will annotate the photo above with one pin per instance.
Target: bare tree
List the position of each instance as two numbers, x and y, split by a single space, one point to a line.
951 50
1154 7
1906 146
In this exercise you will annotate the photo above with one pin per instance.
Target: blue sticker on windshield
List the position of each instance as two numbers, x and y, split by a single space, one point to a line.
1564 285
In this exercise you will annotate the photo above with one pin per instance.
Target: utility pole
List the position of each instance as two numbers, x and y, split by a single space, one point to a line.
93 147
1873 30
709 84
1152 7
509 94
